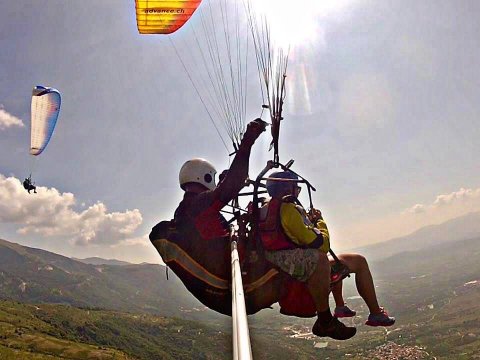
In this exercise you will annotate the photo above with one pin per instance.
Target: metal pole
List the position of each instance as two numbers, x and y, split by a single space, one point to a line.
242 349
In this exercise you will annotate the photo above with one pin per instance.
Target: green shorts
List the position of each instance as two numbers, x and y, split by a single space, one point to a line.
298 263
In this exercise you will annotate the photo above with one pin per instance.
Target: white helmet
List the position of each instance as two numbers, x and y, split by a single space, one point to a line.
198 171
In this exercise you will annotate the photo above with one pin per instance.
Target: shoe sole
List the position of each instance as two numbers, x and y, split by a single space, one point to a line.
335 338
344 315
375 323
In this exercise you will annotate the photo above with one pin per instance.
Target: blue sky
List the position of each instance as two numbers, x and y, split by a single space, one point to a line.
381 115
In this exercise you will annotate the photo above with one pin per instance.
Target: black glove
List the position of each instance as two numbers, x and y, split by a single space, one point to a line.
254 129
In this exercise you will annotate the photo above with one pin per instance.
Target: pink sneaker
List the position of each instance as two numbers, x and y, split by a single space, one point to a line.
381 319
344 311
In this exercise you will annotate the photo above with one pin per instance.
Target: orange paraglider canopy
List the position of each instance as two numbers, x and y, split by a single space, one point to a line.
163 16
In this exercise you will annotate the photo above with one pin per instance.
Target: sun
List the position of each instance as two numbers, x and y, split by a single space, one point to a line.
297 22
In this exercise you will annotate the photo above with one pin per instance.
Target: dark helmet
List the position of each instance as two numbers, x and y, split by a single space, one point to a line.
277 188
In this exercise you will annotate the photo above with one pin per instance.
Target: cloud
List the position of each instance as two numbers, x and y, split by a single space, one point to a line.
416 209
7 120
143 240
462 197
50 213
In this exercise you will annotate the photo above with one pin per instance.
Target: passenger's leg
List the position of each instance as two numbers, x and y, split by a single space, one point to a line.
319 286
341 310
319 283
366 289
363 280
337 294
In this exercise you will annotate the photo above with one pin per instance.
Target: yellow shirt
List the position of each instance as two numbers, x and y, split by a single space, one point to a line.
300 229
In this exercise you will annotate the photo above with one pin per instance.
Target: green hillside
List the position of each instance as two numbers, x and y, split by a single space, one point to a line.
65 332
37 276
433 293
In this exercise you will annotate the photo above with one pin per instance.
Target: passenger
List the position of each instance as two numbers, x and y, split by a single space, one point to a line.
298 245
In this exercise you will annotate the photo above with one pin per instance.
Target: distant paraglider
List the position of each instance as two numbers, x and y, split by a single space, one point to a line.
29 185
44 114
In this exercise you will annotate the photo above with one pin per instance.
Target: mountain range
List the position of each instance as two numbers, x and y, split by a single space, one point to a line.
99 261
461 228
38 276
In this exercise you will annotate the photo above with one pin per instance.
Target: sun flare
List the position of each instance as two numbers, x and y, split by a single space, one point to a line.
298 22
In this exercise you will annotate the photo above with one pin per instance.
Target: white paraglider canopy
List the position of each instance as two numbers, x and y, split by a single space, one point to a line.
45 109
